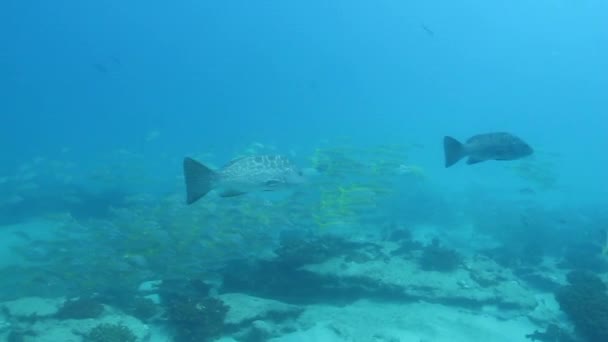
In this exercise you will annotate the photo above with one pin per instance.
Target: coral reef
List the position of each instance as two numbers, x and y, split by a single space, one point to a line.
400 234
407 248
341 280
196 320
531 253
192 288
437 258
80 308
191 313
244 309
274 279
586 280
553 333
110 333
19 335
586 303
583 257
539 280
143 308
299 252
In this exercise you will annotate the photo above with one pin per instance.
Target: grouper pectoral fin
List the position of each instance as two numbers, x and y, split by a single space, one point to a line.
272 183
231 193
473 160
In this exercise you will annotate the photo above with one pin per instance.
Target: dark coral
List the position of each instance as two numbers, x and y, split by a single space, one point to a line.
110 333
583 257
586 280
406 248
537 279
192 288
400 234
437 258
20 335
367 252
196 320
586 303
296 253
143 308
406 243
276 280
191 313
531 253
484 279
505 256
80 308
553 333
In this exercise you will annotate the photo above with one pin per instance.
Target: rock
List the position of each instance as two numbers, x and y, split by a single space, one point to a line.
319 332
150 286
155 298
4 326
52 330
481 282
383 337
261 331
547 311
33 307
245 309
370 321
226 339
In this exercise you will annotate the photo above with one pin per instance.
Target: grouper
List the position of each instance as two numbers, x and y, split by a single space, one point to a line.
482 147
240 176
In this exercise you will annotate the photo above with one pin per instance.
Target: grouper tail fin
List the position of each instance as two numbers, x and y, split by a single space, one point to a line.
453 151
199 180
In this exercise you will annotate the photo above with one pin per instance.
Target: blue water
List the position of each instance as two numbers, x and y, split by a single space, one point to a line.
128 88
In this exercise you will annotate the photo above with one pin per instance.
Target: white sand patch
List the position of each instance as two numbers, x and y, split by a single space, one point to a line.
159 334
72 330
244 308
33 307
46 328
461 284
368 322
5 326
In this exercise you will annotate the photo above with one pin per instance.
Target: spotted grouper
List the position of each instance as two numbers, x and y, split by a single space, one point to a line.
482 147
240 176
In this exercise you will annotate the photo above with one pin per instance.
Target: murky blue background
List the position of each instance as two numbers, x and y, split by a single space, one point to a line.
97 76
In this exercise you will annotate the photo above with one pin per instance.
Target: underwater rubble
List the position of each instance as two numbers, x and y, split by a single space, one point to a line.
585 301
324 272
432 273
47 320
326 286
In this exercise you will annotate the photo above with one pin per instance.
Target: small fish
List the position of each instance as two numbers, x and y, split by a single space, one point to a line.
243 175
527 191
482 147
99 67
427 30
